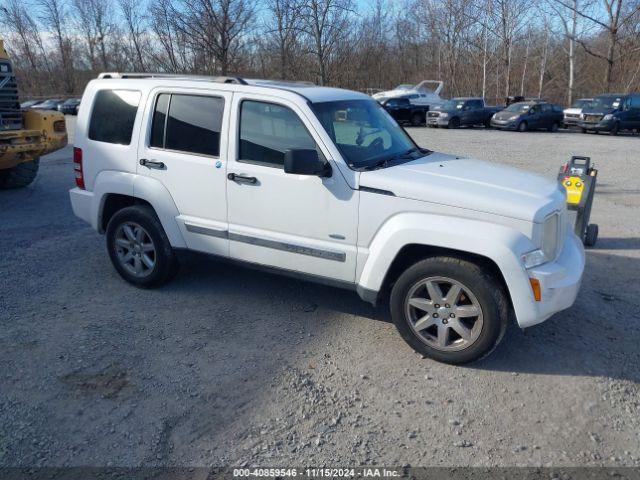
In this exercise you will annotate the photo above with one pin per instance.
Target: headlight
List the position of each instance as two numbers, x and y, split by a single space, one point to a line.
444 114
550 235
608 116
533 259
549 250
513 117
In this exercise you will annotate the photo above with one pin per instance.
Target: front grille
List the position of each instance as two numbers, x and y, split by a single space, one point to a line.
10 113
572 115
592 118
433 114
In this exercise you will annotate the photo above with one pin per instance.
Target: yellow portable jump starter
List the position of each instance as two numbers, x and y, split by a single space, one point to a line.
578 178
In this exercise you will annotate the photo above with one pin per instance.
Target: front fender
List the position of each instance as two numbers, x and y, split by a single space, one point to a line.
499 243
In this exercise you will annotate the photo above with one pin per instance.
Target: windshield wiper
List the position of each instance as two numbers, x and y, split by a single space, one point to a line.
408 155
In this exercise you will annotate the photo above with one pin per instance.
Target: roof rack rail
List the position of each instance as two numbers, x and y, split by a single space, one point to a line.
221 79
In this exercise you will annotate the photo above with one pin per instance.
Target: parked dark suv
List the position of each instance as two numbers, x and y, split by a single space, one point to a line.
612 112
523 116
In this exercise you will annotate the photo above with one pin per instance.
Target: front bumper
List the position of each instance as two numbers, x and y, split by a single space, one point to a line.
503 124
602 126
438 121
571 121
560 282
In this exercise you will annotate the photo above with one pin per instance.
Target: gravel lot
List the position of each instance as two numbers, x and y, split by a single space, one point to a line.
231 366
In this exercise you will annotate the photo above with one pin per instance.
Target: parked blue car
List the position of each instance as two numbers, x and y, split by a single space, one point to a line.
612 113
523 116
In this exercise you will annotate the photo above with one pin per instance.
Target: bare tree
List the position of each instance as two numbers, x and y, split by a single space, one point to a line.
507 20
54 17
326 23
215 29
135 24
618 15
283 27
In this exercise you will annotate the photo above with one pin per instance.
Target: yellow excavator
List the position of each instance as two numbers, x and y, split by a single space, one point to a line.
24 135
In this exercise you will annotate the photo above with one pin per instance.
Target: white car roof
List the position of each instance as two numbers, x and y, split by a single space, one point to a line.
309 91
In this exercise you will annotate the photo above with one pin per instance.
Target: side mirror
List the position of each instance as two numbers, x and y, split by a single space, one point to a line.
306 162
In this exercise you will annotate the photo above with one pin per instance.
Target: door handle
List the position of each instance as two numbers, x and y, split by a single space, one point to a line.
234 177
152 164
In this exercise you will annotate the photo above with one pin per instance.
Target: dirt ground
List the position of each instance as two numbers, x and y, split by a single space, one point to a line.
230 366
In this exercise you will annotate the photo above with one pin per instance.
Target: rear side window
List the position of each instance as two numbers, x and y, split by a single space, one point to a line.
267 131
187 123
635 101
114 112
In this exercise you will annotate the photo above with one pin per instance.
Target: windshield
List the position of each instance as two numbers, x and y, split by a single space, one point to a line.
606 102
518 107
453 104
582 103
366 135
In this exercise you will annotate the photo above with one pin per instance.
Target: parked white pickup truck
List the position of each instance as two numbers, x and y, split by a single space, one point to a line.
321 183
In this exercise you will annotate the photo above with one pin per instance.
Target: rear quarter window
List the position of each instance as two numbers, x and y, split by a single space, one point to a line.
113 115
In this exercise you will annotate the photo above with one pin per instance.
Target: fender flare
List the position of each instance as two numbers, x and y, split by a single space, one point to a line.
145 188
500 244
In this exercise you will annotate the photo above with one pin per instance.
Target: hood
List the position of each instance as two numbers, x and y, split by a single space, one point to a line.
504 115
440 108
599 111
470 184
573 110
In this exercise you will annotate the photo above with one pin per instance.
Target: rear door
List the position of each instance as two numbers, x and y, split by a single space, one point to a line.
184 149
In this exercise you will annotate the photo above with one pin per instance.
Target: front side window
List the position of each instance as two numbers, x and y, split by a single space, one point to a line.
635 101
114 113
187 123
366 135
267 131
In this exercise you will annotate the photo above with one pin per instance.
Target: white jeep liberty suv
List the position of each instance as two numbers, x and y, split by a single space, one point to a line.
321 183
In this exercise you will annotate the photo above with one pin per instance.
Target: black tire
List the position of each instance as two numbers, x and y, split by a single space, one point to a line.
416 119
454 123
591 235
523 127
166 263
553 127
615 129
19 176
481 284
487 123
583 130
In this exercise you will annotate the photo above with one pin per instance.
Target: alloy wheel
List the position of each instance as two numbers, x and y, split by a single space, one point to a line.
444 313
135 250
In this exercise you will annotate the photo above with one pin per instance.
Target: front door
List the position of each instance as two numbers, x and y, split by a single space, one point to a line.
300 223
184 150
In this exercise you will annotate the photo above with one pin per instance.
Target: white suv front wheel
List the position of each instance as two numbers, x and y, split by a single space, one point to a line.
449 309
139 248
